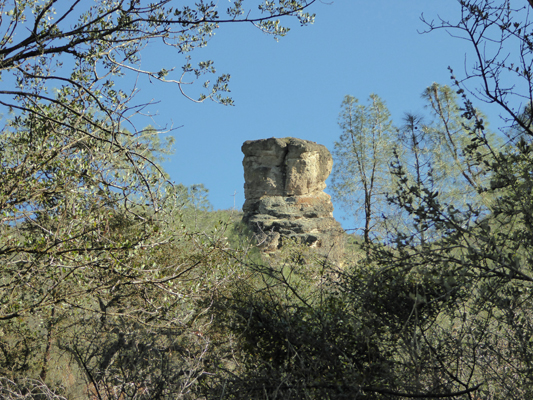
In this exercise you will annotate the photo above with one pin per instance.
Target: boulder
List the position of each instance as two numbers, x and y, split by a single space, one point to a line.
284 183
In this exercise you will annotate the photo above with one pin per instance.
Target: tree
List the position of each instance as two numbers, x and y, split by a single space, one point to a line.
430 150
433 154
415 155
450 133
302 329
452 315
481 253
501 66
362 156
447 317
86 210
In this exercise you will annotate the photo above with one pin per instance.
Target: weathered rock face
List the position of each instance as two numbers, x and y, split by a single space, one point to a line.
284 183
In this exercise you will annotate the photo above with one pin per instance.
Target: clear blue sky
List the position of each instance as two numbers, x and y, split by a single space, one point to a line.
294 87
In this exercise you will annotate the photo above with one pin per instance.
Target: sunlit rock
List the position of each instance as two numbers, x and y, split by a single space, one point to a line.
284 183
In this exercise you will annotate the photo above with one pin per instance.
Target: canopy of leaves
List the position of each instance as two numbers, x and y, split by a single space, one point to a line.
99 269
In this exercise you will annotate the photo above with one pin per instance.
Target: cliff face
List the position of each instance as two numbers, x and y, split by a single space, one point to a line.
284 183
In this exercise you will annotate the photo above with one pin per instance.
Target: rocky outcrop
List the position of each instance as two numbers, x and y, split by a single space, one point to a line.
284 183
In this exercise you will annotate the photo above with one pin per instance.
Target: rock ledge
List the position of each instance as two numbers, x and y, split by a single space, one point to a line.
284 183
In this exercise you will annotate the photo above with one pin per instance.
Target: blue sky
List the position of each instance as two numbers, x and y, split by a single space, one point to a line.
294 87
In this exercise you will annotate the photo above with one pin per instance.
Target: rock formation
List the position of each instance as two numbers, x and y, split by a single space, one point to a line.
284 183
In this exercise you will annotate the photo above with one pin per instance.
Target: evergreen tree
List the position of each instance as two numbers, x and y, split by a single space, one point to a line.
431 154
362 156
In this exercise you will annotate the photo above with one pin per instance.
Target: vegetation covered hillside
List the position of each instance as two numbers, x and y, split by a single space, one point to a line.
117 284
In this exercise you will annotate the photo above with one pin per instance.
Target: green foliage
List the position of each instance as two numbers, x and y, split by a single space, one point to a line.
482 263
456 174
362 155
116 284
309 331
102 268
373 157
442 309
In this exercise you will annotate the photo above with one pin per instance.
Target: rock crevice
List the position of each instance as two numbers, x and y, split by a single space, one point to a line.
284 183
